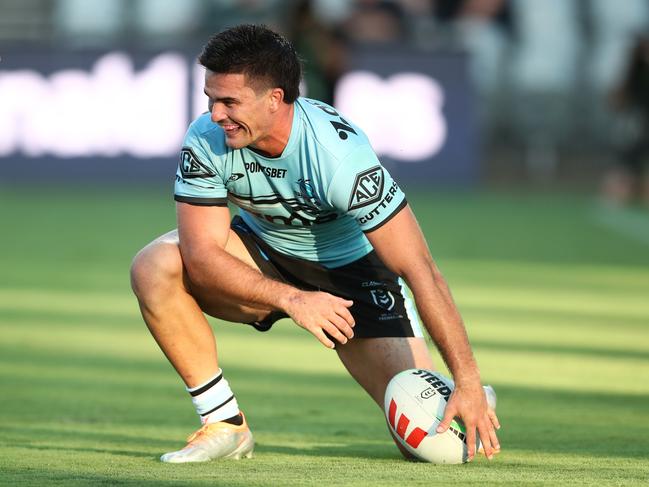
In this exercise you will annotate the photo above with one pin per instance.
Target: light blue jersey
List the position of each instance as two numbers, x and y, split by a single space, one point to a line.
312 202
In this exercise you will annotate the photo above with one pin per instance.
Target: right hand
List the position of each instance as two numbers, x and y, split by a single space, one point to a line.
319 312
468 402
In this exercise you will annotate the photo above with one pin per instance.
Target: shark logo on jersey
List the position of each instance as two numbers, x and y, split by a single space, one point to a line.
367 189
235 176
305 194
383 298
191 167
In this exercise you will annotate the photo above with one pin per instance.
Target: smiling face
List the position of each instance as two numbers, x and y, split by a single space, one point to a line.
246 114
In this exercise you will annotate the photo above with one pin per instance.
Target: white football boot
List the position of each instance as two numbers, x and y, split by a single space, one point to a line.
215 440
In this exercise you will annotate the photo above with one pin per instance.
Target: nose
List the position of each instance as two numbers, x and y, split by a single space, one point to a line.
218 112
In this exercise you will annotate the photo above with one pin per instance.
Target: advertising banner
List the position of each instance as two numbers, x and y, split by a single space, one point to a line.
418 109
121 116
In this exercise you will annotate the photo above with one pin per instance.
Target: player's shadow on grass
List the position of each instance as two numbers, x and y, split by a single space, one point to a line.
604 424
61 448
336 412
356 449
549 421
328 412
56 439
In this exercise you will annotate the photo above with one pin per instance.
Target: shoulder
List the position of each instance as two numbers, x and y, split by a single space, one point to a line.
332 132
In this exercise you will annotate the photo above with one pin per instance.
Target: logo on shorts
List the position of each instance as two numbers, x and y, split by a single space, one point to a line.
368 188
191 167
383 298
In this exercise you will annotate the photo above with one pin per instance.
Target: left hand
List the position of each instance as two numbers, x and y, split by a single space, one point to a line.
469 403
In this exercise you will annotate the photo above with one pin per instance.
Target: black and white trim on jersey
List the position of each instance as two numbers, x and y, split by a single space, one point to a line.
192 200
401 206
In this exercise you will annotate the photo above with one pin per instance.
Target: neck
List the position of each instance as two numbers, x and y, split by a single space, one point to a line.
273 144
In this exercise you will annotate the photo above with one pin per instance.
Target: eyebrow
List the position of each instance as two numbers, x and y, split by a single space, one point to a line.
225 99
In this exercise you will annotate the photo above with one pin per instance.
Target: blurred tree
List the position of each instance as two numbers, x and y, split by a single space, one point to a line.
322 49
629 181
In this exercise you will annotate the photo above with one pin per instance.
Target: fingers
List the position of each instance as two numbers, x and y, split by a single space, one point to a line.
344 312
482 426
343 326
487 433
449 413
322 336
494 440
488 437
340 322
336 329
470 441
325 316
334 333
493 418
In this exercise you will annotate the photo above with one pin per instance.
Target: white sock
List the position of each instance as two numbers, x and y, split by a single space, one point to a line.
214 400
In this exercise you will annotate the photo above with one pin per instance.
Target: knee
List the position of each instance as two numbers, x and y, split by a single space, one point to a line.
155 269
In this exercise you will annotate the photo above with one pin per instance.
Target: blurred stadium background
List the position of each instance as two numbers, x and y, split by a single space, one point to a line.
512 91
517 127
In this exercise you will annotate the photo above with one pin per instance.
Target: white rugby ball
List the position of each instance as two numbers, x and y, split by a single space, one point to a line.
415 401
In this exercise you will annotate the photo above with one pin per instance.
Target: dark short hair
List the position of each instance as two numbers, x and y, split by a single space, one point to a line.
259 53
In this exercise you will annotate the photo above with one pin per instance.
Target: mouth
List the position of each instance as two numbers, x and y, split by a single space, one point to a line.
231 129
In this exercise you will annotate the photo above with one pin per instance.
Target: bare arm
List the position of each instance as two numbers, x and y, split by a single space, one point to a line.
203 232
401 246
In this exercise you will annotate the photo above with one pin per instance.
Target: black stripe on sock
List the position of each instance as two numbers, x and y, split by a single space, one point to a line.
235 420
220 405
211 383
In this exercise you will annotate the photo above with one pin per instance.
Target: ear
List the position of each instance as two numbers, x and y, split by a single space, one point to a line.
275 97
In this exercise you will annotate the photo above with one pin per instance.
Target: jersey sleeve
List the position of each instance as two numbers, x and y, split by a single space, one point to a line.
364 190
199 180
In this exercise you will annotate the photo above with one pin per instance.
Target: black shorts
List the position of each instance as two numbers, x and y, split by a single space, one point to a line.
381 306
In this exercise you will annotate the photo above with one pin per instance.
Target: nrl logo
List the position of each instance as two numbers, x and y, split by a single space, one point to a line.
383 298
427 393
368 188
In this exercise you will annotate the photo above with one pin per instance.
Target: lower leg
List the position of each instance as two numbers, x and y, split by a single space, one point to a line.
180 328
173 312
172 315
374 361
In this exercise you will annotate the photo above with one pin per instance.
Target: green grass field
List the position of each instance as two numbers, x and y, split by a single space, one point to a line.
554 291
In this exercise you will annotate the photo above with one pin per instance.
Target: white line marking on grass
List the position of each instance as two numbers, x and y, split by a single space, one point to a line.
631 223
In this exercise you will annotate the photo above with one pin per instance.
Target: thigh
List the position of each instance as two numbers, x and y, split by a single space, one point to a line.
209 302
374 361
